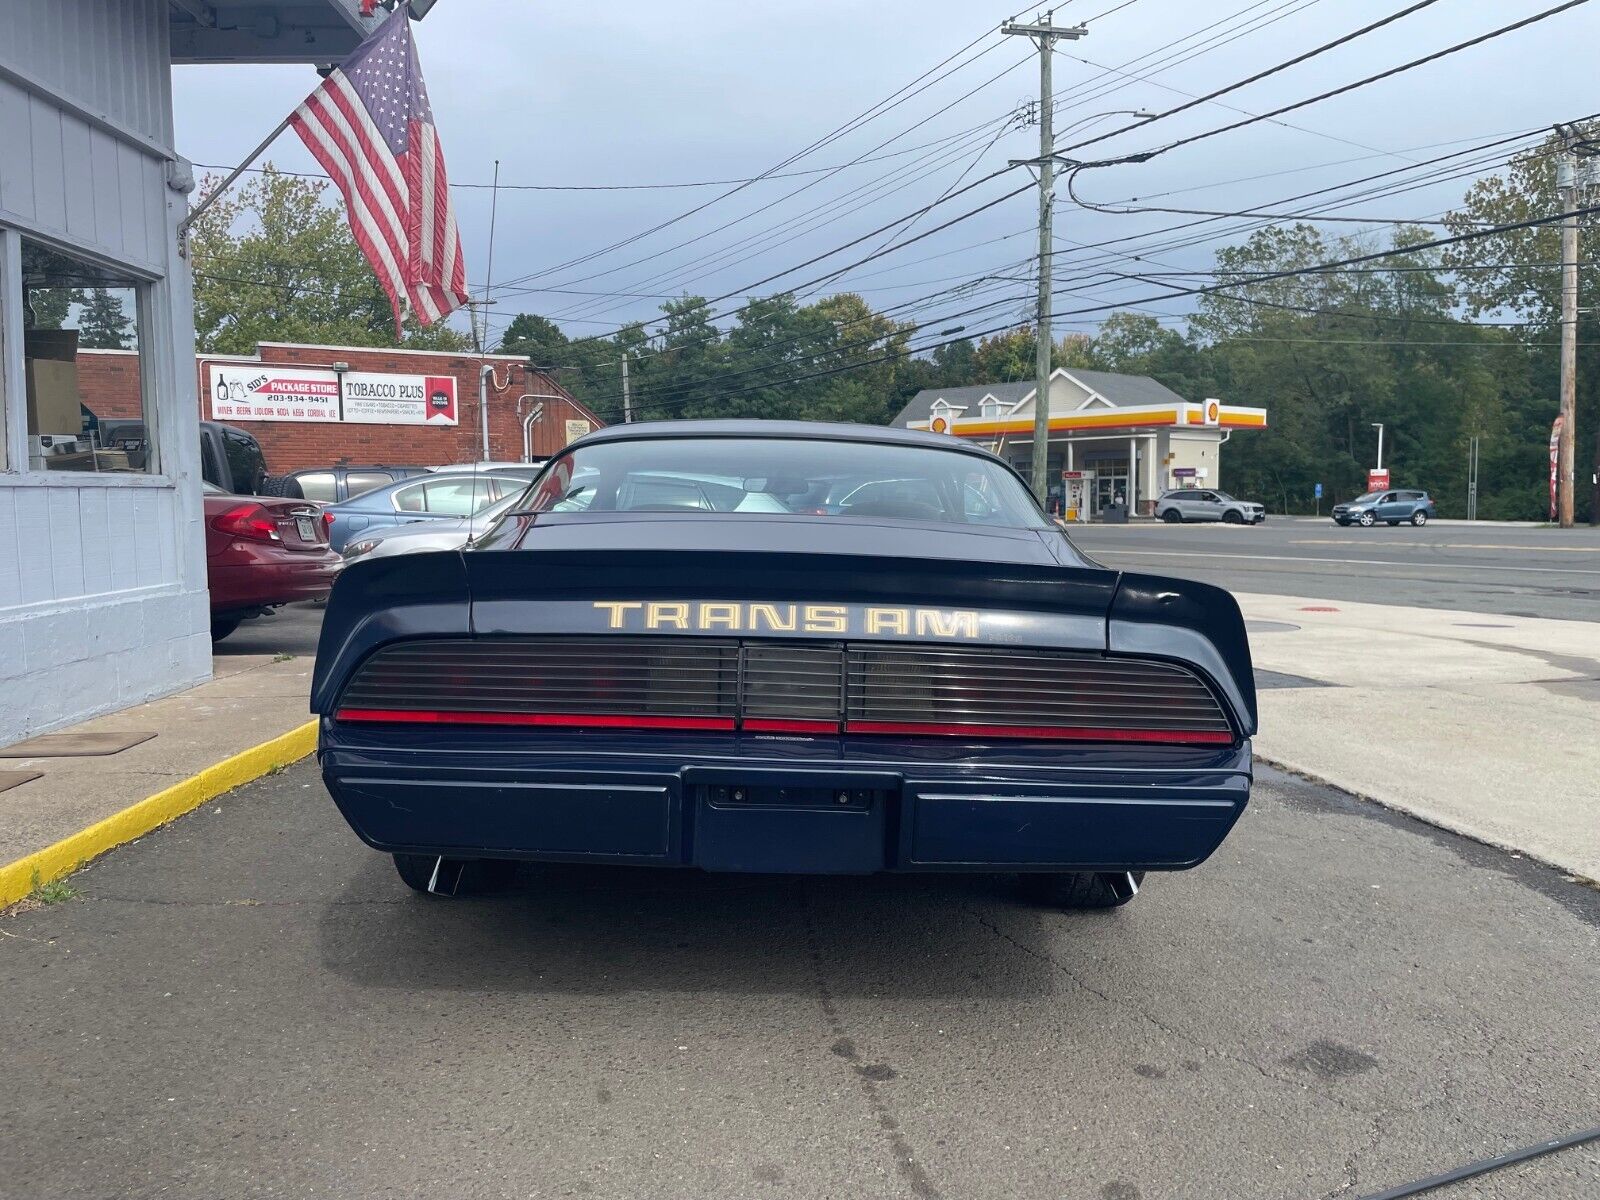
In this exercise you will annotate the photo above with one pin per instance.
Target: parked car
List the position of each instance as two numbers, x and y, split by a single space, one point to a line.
432 496
449 533
336 484
230 458
485 465
580 685
262 552
1208 504
1390 507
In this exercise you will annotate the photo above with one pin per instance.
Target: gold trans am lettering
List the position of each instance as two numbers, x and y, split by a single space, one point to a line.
717 616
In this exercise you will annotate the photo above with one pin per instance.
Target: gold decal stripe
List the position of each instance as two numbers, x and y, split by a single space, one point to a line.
706 616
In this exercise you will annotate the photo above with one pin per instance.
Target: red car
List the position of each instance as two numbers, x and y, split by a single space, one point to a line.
262 552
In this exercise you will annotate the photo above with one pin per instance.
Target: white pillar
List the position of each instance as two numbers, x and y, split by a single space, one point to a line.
1070 467
1133 474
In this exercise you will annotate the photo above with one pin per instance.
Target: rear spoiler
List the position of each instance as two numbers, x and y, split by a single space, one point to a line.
447 594
1181 619
384 600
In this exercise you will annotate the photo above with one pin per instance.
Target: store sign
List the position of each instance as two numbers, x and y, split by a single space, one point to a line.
577 429
263 392
1378 481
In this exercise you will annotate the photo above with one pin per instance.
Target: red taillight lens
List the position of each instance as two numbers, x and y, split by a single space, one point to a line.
327 518
249 521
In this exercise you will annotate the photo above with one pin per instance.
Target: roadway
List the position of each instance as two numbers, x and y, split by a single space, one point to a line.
1510 570
250 1003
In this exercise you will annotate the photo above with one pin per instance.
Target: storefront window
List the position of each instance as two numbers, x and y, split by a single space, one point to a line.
70 305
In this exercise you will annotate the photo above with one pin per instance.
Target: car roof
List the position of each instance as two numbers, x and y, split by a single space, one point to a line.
827 431
521 476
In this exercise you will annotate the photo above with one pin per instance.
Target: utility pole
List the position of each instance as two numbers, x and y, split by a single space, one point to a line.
627 396
1577 181
1044 35
1567 192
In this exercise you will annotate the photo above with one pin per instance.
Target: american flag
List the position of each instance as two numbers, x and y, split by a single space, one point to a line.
370 126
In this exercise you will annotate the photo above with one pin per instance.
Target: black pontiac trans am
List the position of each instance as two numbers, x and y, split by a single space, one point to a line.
783 647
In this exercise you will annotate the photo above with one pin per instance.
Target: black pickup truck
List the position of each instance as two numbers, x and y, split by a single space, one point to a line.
229 457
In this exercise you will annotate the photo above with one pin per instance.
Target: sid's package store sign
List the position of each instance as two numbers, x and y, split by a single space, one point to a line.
252 392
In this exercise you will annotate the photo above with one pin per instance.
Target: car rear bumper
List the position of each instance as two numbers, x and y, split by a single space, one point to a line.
742 802
282 578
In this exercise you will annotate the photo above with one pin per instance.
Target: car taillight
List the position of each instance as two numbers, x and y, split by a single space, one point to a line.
248 521
327 518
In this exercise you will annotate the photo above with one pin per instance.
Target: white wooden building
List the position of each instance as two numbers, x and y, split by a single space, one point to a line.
102 568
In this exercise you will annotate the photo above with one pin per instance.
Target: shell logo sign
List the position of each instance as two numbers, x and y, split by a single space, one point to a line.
939 425
1212 412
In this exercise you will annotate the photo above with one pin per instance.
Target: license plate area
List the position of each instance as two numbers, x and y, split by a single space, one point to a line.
819 822
843 798
306 528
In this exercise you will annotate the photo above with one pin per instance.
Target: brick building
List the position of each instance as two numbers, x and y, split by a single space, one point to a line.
108 382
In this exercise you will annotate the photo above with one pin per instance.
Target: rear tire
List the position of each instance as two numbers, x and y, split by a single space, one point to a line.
1419 518
456 876
1172 517
221 627
1082 889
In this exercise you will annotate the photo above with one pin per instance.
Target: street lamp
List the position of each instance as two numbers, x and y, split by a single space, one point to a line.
1378 425
1143 114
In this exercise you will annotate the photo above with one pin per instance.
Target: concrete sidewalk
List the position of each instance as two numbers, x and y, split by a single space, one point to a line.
1481 724
251 717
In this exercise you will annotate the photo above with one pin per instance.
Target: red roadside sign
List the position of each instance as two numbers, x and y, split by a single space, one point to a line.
1555 462
1378 480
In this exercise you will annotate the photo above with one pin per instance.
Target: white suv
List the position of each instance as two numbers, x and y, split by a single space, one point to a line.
1204 504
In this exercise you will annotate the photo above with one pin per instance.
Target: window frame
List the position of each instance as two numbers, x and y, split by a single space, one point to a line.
14 467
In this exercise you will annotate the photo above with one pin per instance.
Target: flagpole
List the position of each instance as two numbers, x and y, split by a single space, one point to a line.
215 193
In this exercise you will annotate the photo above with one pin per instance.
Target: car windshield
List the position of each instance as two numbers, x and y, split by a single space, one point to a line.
813 478
1366 498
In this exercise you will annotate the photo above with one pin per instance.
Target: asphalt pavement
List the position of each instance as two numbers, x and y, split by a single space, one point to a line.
249 1003
1510 570
292 629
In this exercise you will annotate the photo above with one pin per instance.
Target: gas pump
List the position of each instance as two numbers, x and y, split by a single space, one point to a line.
1078 495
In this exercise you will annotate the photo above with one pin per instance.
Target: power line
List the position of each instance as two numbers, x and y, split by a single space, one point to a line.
743 249
1057 103
1147 155
897 98
626 187
1342 40
1171 295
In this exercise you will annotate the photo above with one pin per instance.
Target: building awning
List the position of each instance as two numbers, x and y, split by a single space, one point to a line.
1132 419
267 31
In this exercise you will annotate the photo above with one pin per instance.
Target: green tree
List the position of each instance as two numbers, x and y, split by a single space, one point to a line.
1516 275
102 325
274 260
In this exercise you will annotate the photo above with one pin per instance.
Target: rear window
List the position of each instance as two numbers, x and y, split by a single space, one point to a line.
317 485
357 482
821 479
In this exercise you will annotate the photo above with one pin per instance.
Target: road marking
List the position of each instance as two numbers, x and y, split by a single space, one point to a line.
1345 562
1455 546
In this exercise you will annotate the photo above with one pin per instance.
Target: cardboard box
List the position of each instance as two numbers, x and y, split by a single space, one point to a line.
51 361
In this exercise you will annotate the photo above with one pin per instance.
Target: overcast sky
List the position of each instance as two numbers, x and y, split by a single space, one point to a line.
650 93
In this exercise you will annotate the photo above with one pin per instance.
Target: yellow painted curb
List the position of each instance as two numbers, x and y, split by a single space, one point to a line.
70 853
